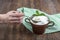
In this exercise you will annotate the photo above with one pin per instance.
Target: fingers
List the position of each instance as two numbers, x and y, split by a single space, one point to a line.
15 17
15 14
14 21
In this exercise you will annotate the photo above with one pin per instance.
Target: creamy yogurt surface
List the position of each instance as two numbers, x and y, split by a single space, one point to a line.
42 20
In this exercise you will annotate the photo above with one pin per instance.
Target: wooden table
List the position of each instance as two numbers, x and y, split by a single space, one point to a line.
19 32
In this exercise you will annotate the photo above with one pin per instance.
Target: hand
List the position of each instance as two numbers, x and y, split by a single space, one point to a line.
12 17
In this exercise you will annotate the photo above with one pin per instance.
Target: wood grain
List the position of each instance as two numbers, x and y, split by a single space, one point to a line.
18 31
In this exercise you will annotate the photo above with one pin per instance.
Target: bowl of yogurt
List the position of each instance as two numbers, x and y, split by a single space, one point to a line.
39 23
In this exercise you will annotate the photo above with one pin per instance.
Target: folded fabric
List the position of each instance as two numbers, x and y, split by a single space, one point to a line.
55 18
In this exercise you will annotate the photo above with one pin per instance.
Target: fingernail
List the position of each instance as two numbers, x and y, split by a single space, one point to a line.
14 12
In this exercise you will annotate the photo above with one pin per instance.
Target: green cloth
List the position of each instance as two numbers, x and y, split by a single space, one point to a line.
55 18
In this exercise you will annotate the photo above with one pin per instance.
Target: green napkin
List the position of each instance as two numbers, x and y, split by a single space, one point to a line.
55 18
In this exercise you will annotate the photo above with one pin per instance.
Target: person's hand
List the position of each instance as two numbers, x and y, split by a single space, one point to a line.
12 17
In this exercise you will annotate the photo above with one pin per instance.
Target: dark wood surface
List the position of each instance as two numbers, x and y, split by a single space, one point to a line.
18 31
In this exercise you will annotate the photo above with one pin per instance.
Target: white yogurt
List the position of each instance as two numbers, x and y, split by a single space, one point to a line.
42 20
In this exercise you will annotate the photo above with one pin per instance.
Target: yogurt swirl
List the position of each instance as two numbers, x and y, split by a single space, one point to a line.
42 20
